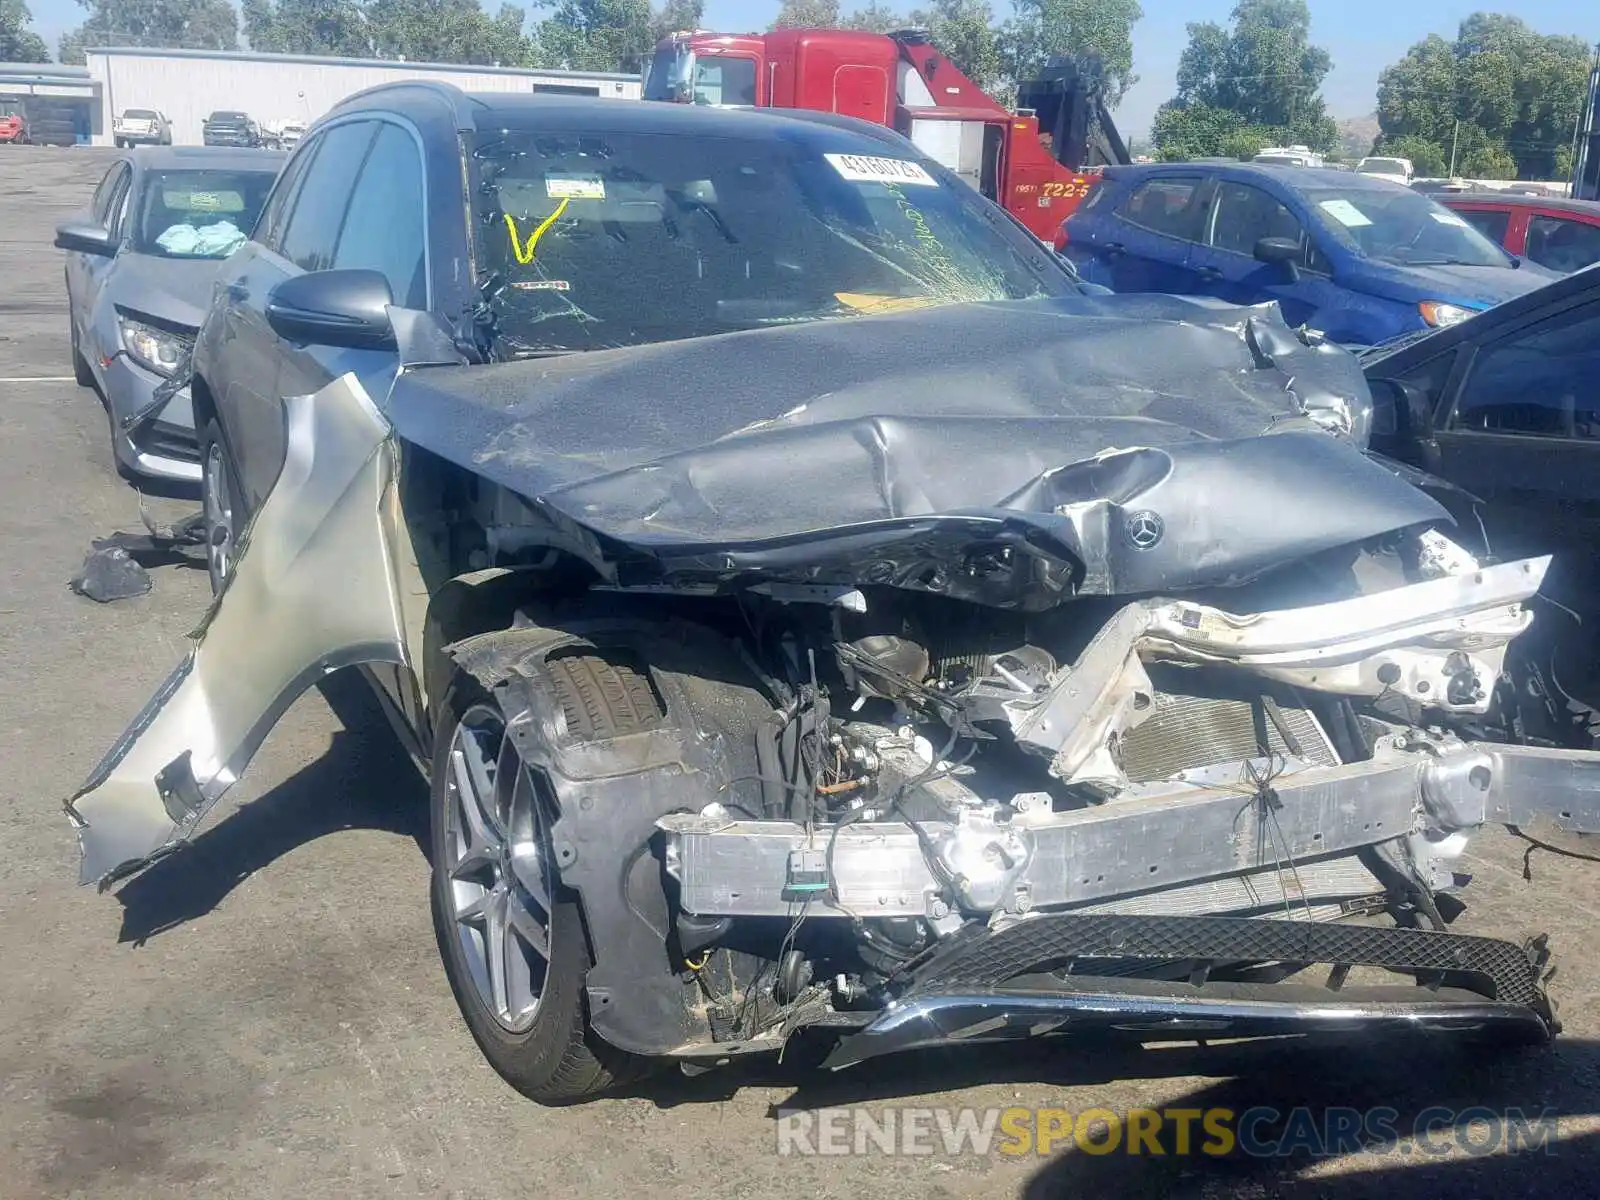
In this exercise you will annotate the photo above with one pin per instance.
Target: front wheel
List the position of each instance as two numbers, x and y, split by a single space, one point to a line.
220 504
81 372
511 937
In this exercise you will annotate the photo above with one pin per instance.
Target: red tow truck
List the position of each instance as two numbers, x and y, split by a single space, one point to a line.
1037 162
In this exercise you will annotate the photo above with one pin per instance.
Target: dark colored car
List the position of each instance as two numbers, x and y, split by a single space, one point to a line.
814 612
1507 407
1560 235
140 265
230 129
1359 259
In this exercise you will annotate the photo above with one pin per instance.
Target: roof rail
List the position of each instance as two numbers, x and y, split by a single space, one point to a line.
448 93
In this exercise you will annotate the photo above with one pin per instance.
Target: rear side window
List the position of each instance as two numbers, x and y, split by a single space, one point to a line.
1492 225
1097 193
318 213
385 228
1163 205
1563 245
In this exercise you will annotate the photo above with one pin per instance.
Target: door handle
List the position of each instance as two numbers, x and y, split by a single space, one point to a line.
1209 274
1115 248
238 292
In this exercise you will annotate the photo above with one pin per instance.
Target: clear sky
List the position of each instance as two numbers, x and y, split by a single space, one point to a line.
1363 36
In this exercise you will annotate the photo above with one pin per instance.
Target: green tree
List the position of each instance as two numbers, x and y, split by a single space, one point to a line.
1264 69
183 24
1499 92
456 31
675 16
874 18
18 43
964 31
1098 34
1187 131
307 27
597 35
69 47
807 14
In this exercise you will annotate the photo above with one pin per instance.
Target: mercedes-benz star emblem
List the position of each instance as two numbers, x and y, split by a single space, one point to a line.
1143 529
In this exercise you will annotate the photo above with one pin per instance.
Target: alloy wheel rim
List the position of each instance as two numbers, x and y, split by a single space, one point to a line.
497 863
218 504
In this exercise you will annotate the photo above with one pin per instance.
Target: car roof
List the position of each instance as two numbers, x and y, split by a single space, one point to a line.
205 158
579 114
1288 176
1585 208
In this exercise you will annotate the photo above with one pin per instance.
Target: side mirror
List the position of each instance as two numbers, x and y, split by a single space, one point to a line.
1399 410
334 308
1283 252
86 238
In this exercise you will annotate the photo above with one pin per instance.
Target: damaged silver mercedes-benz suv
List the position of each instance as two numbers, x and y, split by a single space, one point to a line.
817 616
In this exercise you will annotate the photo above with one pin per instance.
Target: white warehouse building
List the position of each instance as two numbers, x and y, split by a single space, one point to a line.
188 85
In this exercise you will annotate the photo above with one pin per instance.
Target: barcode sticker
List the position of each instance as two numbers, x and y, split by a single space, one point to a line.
861 168
567 187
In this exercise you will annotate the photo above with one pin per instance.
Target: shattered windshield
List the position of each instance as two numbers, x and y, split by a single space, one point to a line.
589 241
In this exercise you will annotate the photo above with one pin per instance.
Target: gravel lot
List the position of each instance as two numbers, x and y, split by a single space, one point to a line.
264 1015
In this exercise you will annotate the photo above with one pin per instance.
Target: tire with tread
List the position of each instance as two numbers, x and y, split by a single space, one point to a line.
602 698
81 372
558 1060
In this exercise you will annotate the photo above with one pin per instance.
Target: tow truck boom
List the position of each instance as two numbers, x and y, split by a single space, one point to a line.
1038 162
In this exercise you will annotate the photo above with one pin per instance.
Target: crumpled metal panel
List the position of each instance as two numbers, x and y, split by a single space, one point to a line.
887 449
313 590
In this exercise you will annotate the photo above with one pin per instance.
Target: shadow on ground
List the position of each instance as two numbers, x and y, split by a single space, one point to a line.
1412 1108
364 781
1434 1121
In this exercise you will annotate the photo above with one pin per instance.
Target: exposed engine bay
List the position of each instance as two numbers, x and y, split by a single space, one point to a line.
936 768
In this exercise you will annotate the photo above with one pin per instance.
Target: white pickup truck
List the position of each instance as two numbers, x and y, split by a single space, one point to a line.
141 126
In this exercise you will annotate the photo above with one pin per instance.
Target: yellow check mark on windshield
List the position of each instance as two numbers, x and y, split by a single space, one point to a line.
524 250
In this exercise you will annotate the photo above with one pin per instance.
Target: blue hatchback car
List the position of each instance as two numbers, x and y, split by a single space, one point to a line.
1362 260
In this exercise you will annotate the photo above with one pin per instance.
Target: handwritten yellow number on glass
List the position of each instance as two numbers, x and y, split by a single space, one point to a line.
524 250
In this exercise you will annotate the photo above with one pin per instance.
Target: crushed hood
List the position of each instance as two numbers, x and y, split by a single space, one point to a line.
175 290
1008 453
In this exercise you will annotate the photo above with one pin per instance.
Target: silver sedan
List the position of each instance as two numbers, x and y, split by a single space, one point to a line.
140 266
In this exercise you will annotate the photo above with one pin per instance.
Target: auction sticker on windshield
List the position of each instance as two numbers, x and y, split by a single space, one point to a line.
862 168
1448 218
567 187
1345 213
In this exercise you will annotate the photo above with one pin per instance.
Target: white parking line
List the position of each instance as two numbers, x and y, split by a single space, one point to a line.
39 379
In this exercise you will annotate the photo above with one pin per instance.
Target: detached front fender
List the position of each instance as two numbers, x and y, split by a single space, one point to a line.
314 589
